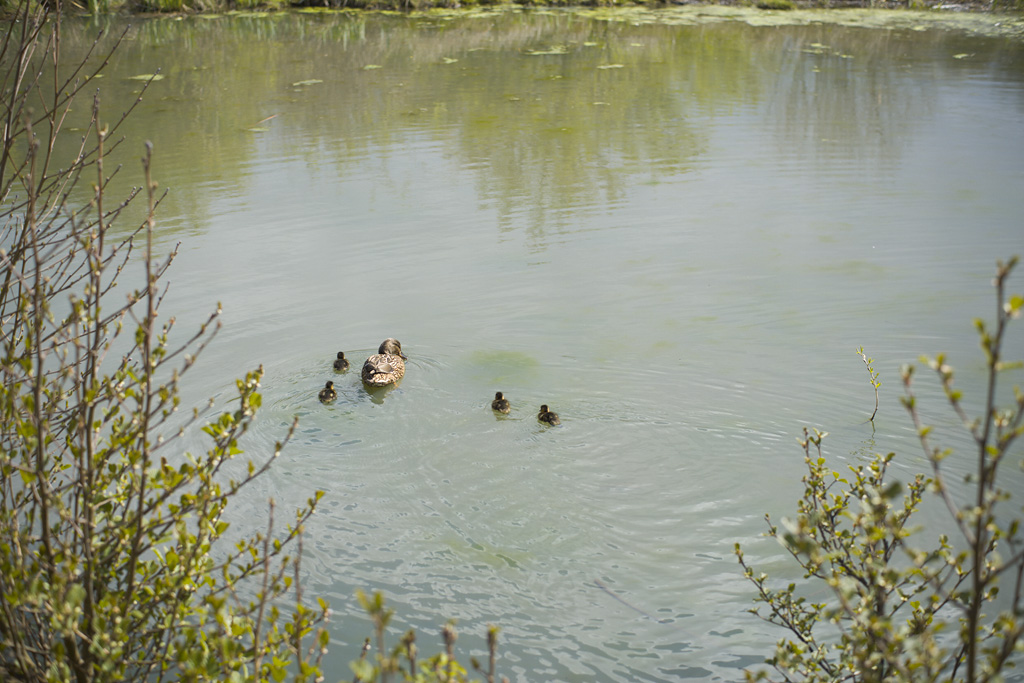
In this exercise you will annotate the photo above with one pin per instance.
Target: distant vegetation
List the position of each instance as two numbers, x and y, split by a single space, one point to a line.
190 6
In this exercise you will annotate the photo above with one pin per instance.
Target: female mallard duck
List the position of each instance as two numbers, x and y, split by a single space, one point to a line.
341 363
385 367
328 393
547 416
500 404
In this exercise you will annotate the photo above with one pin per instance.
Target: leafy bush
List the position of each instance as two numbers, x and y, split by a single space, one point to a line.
896 612
113 563
776 4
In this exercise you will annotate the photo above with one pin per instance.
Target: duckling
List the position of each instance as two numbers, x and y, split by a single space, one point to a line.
328 393
385 367
547 416
341 363
500 404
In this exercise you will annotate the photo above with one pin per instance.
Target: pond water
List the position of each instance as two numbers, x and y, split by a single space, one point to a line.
673 227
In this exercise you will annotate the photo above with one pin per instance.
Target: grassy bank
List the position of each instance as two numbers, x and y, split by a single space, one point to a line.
200 6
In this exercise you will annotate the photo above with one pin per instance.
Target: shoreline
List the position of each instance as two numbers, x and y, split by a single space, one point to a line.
201 7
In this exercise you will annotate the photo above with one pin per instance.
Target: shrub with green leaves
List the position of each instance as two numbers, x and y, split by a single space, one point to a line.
114 559
894 611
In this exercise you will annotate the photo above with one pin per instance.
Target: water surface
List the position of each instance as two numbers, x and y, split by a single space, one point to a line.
674 229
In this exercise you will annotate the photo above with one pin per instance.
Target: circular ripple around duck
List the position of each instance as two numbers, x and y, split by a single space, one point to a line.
437 501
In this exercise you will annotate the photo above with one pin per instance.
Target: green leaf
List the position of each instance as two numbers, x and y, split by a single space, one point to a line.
1014 305
362 669
892 490
75 595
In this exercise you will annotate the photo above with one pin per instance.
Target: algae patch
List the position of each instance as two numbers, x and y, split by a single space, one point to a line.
911 20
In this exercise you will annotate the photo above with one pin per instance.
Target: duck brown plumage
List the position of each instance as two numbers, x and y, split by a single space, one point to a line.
387 366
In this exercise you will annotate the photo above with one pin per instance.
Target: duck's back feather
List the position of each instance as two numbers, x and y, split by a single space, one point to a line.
382 369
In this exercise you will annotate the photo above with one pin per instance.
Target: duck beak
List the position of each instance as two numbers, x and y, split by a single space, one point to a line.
403 356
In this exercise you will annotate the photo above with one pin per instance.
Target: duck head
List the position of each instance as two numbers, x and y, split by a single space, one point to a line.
393 347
